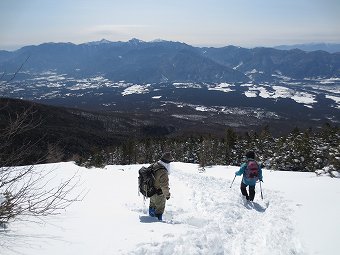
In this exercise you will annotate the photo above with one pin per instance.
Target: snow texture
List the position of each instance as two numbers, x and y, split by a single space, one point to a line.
298 215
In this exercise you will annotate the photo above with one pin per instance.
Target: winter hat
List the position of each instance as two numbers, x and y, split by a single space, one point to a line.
250 154
167 157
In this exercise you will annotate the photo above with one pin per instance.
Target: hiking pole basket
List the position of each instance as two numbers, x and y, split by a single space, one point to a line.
233 181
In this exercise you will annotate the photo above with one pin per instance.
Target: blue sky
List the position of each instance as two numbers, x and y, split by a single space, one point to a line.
217 23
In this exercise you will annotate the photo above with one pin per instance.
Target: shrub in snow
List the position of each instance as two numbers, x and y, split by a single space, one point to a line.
335 174
7 209
328 170
319 172
2 199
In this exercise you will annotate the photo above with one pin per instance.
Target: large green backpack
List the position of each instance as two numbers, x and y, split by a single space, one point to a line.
146 181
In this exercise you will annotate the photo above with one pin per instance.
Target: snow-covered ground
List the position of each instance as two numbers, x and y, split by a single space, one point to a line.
275 92
298 215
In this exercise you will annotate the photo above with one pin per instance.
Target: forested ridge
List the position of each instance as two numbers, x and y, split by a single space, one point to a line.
52 134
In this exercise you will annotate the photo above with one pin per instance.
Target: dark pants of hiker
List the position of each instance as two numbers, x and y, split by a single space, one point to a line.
251 191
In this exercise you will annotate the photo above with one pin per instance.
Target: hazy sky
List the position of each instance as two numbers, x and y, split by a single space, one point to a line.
216 23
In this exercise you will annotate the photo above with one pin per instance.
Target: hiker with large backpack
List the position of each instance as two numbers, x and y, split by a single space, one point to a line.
252 172
154 183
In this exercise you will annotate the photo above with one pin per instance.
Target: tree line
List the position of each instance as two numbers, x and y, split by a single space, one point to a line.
300 150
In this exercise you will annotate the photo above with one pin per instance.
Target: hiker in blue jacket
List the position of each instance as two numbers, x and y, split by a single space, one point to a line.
251 172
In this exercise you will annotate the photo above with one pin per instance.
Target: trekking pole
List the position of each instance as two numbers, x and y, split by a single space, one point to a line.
261 190
233 181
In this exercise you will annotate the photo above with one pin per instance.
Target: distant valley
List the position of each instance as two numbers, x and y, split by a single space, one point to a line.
175 84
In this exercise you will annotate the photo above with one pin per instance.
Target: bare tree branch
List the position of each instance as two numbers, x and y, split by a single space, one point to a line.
16 72
27 190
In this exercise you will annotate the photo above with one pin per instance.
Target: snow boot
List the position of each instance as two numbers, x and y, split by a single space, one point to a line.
159 216
152 212
251 193
244 191
245 198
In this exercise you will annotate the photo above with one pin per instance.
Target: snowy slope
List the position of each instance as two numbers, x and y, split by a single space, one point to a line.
299 215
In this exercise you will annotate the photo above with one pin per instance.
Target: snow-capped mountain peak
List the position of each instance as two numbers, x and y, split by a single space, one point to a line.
135 41
102 41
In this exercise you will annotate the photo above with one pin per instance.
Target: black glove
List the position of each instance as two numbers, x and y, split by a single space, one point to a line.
168 197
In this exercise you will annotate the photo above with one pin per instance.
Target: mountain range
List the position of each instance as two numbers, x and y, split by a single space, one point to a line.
166 61
329 47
